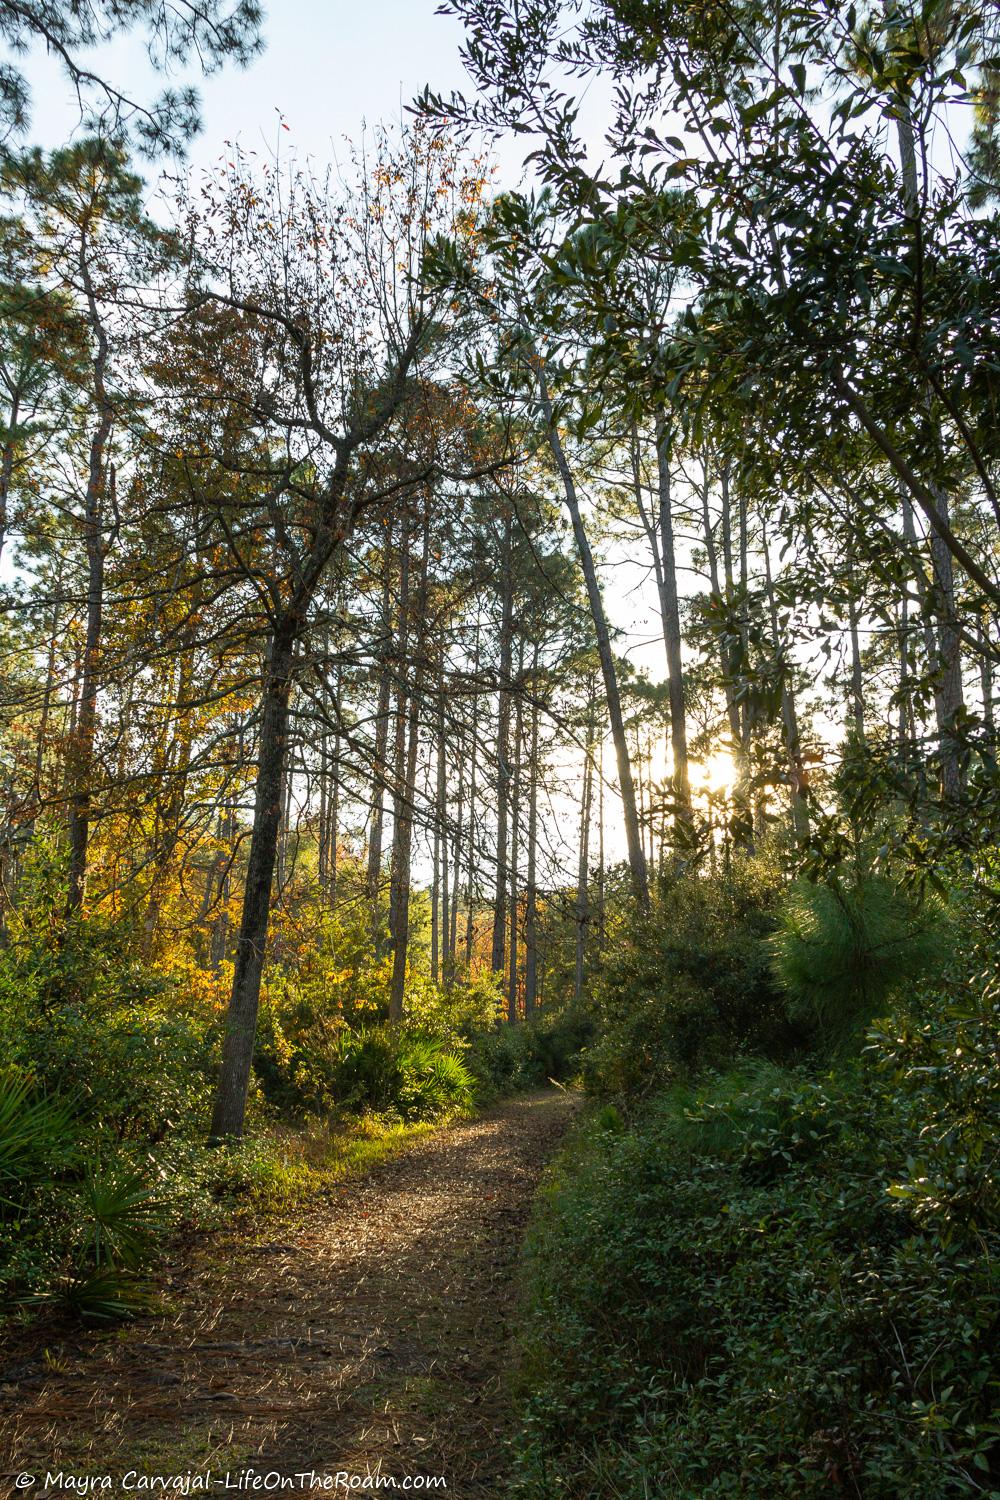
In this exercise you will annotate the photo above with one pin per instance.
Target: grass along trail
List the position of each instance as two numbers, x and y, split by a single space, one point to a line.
371 1339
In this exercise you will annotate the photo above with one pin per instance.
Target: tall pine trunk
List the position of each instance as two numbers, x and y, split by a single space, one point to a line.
671 619
949 697
515 835
789 717
583 861
473 833
530 892
402 840
503 748
377 822
638 869
99 478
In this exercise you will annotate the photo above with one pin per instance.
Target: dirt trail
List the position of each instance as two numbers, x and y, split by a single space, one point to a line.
371 1341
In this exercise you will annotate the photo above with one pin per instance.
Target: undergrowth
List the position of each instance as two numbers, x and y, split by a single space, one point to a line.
772 1275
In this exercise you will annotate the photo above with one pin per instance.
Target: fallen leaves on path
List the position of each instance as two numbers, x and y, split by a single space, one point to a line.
371 1340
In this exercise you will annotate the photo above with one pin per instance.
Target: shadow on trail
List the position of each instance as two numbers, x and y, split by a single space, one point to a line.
372 1340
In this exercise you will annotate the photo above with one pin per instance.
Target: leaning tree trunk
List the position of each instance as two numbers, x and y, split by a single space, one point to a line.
332 526
241 1020
638 869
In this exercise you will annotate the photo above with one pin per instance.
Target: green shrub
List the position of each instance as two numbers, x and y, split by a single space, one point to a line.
84 1019
74 1228
650 1040
305 1043
528 1055
99 1085
38 1138
138 1075
784 1322
691 985
842 951
939 1057
115 1224
434 1081
390 1070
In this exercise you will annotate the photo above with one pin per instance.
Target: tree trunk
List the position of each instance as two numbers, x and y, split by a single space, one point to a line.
515 831
471 891
600 848
94 545
220 927
403 809
46 709
503 749
531 895
986 683
583 863
332 829
399 748
442 824
7 463
949 699
789 718
401 856
636 853
670 616
857 676
728 673
377 823
456 865
170 811
82 754
435 895
241 1019
741 712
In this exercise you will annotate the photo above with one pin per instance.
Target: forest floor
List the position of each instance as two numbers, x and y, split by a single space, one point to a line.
371 1339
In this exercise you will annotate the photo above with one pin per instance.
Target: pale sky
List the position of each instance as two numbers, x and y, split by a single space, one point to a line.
328 66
